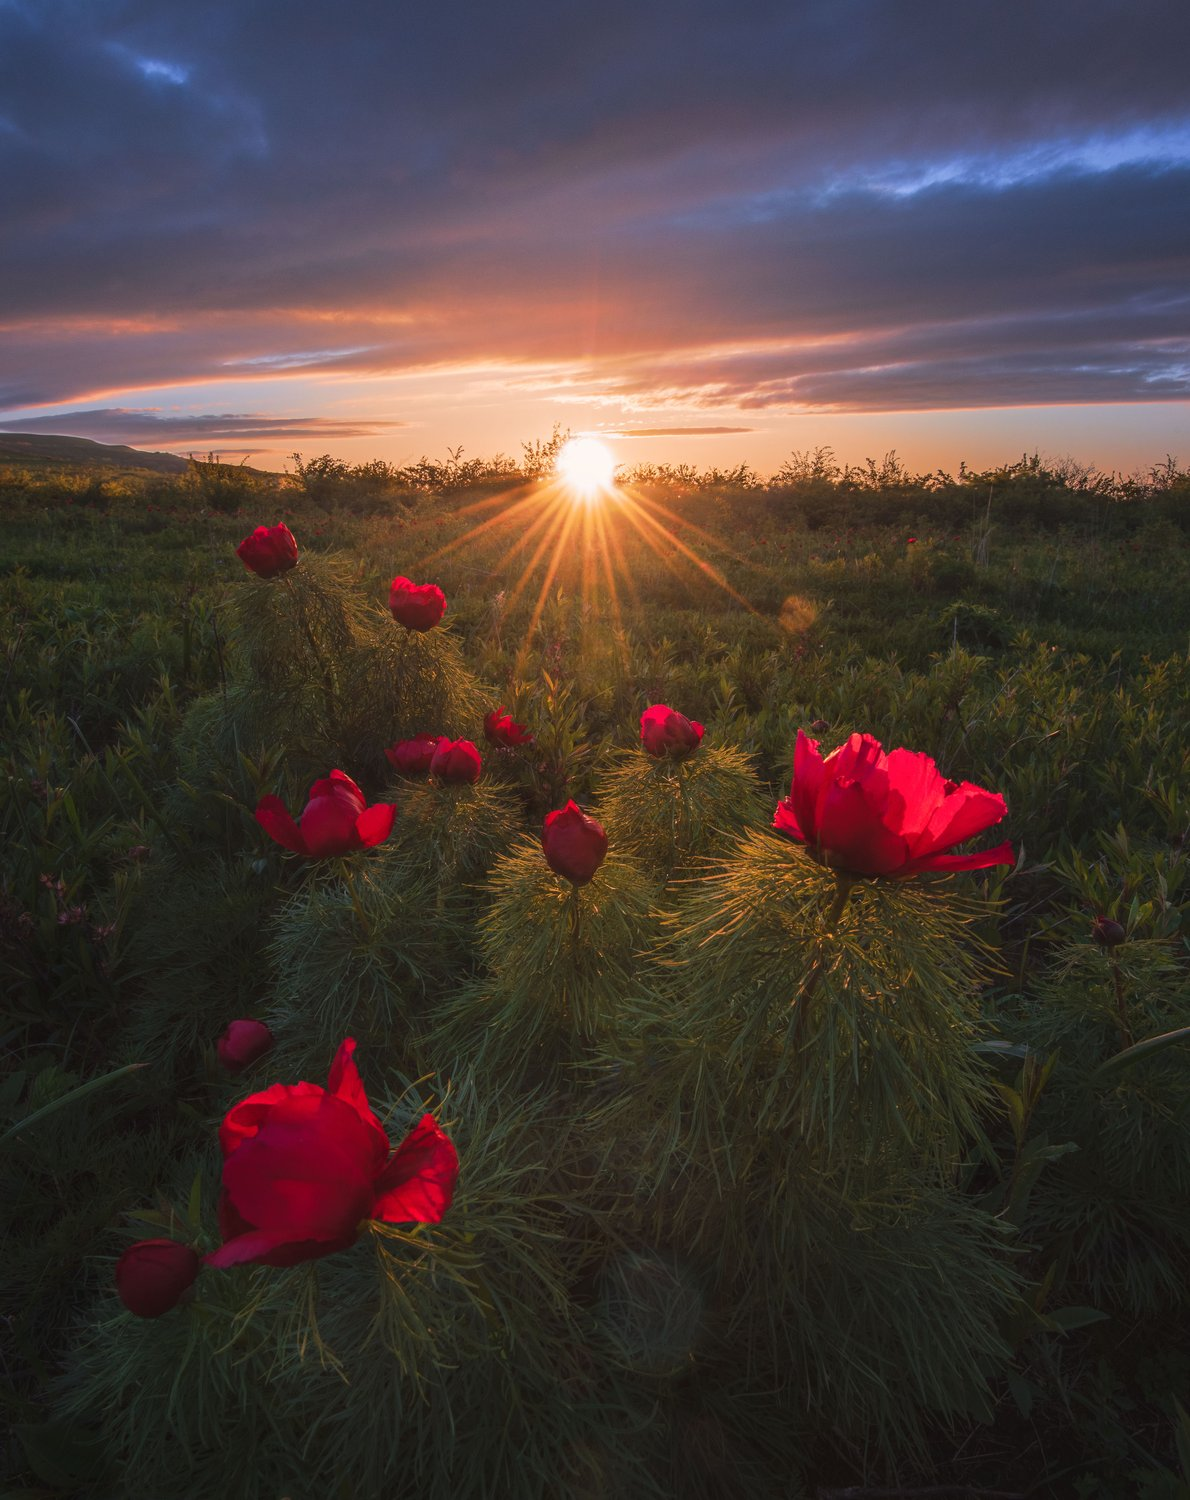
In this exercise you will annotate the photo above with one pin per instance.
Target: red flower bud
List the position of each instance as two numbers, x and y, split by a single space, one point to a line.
417 606
242 1044
152 1275
1107 932
574 844
413 757
305 1167
456 762
269 550
336 820
499 729
666 733
868 813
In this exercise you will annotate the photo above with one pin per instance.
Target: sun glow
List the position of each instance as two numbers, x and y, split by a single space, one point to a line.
585 537
586 467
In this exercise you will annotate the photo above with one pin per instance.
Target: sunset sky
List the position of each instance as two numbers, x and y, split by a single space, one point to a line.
718 231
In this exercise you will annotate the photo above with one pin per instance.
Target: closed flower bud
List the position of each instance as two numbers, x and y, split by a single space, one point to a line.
1107 932
269 550
574 844
456 762
667 734
242 1044
413 757
417 606
153 1275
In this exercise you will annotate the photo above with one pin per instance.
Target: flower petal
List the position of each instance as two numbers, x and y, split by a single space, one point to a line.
984 859
968 810
785 819
243 1120
851 835
916 787
307 1173
809 778
275 819
345 1083
328 826
418 1183
375 824
264 1249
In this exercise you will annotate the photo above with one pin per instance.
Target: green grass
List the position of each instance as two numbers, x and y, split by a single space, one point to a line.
712 1248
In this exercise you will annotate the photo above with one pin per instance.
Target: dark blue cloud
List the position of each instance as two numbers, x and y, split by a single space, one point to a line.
977 203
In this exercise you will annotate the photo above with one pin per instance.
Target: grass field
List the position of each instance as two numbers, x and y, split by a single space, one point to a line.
933 1231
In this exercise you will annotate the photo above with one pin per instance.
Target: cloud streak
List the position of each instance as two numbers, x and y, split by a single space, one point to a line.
138 427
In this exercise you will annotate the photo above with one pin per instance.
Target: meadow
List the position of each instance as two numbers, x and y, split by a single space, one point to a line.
775 1178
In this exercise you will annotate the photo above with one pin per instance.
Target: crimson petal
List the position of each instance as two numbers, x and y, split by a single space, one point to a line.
968 810
418 1183
274 817
307 1173
375 824
984 859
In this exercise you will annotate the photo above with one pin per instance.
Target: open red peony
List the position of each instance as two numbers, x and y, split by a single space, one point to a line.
304 1168
867 813
336 820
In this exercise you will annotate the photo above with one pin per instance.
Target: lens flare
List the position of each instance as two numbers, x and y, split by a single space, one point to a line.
586 467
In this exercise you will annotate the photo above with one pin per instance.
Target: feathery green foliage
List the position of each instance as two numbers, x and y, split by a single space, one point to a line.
559 961
670 814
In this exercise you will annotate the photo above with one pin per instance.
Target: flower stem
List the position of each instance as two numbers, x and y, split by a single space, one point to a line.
575 922
843 888
1117 977
328 681
361 915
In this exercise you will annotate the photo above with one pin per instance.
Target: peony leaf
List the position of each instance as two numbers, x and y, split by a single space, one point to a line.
1138 1051
75 1094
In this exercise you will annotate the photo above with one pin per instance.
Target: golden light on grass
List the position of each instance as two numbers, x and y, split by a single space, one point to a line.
579 528
586 467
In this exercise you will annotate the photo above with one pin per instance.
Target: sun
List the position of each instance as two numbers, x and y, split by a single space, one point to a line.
586 467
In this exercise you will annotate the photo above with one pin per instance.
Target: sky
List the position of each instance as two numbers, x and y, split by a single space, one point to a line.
713 231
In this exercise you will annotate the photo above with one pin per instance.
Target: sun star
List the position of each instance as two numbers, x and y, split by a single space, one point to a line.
587 468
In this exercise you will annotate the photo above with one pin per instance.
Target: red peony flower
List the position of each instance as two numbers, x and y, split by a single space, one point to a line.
269 550
868 813
664 732
152 1275
499 729
574 844
456 761
242 1044
417 606
336 820
305 1167
413 757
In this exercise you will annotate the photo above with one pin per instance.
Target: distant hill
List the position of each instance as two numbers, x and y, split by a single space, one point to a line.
41 448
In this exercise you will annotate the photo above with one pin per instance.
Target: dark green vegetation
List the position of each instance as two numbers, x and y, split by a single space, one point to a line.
937 1235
